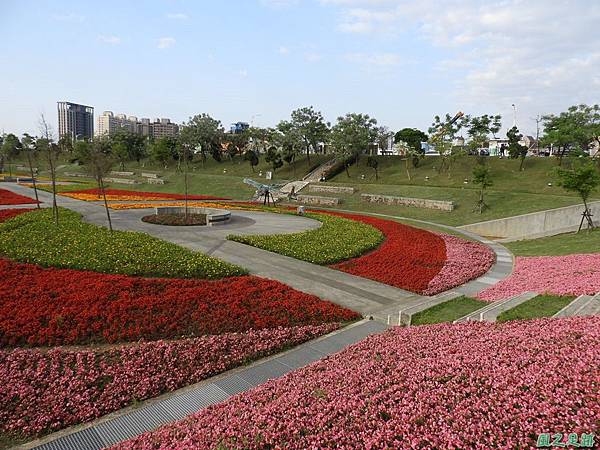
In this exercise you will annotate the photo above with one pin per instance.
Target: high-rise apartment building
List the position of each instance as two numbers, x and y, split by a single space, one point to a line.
108 123
74 120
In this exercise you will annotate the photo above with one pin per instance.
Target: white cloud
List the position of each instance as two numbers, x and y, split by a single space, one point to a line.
278 4
377 59
283 50
166 42
68 17
112 40
313 57
243 73
177 16
541 55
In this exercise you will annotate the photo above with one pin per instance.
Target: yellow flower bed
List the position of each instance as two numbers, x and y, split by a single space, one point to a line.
194 204
109 197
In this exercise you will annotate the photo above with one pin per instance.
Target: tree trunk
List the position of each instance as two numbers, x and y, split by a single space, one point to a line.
522 163
185 184
33 180
481 201
376 174
101 182
53 177
346 165
407 170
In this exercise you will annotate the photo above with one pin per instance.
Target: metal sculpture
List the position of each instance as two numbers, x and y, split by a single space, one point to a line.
265 190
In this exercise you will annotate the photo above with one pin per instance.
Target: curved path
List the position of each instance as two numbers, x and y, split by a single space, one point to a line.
368 297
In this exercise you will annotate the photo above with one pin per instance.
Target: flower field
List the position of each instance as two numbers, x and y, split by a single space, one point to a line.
467 386
10 198
46 307
465 261
122 194
6 214
559 275
228 205
338 239
43 391
75 244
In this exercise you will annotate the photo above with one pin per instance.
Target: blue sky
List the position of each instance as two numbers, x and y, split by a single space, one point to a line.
256 60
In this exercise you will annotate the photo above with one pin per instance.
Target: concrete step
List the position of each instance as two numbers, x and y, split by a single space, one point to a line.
590 308
491 312
401 313
571 309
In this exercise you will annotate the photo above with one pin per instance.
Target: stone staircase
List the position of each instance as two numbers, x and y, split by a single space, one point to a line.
315 175
402 314
584 305
285 190
490 313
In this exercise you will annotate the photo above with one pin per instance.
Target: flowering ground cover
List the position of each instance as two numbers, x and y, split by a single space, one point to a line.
338 239
74 244
122 194
10 198
465 261
43 391
6 214
559 275
467 386
227 205
45 307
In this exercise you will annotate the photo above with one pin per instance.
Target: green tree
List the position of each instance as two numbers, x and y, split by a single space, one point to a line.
205 134
164 150
273 157
373 164
11 147
352 135
582 180
97 159
29 147
46 145
127 146
441 136
310 124
412 137
291 141
252 157
482 177
515 149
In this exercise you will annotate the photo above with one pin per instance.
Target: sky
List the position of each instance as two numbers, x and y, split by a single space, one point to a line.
402 62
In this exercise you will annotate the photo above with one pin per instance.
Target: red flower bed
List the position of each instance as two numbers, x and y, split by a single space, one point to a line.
6 214
409 258
10 198
46 391
40 306
137 194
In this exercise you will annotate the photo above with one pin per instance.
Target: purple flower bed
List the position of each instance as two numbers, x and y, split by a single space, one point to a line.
42 391
465 261
467 386
560 275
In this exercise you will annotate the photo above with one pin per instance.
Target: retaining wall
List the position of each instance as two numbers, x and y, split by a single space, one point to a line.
533 225
408 201
318 200
332 189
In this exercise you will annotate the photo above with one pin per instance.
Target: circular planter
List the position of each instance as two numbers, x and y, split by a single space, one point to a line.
176 219
213 216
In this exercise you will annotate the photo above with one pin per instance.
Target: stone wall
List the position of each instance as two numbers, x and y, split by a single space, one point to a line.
121 174
121 181
149 175
534 225
408 201
155 181
318 200
331 189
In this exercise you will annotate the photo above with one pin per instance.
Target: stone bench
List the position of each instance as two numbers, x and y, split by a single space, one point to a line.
331 189
150 175
213 216
318 200
121 181
154 181
121 174
408 201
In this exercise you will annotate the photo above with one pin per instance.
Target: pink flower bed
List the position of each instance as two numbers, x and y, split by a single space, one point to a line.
42 391
465 261
560 275
467 386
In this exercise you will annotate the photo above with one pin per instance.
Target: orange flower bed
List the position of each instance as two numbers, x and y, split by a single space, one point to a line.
238 206
121 194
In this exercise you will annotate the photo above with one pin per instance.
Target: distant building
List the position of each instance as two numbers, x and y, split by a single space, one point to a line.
74 120
108 124
238 127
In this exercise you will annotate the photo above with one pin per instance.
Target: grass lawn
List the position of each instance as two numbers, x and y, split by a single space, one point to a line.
562 244
448 311
513 192
540 306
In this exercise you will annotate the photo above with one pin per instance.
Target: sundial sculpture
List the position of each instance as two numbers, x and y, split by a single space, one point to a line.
265 190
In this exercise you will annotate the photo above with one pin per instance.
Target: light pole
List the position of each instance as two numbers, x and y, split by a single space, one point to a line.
514 115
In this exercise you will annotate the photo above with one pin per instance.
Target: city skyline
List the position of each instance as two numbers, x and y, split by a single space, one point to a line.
257 61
